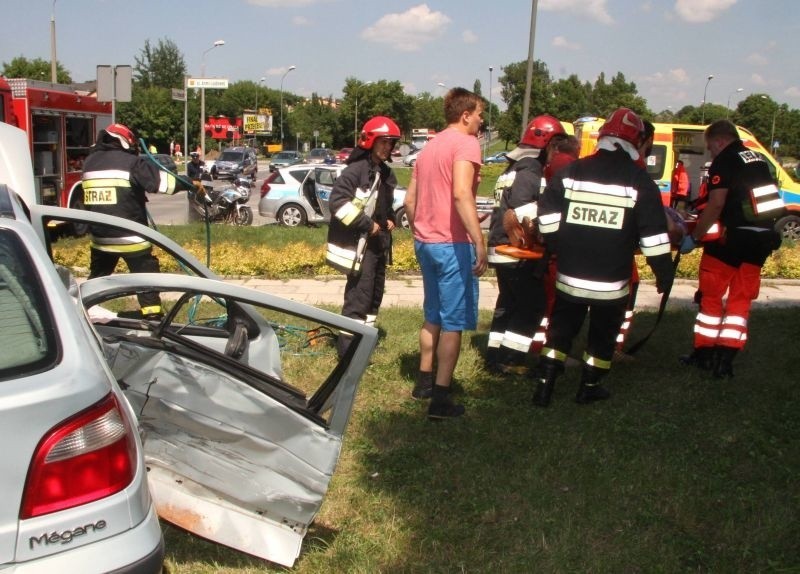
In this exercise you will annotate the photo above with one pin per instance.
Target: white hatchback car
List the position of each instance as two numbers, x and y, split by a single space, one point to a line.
226 416
298 195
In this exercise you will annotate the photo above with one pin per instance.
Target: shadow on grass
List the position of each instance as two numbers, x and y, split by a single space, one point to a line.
676 472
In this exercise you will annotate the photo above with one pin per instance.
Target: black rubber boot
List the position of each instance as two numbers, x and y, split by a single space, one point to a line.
723 362
590 389
545 380
701 357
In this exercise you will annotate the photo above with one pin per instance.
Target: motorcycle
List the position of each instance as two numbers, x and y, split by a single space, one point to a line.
226 204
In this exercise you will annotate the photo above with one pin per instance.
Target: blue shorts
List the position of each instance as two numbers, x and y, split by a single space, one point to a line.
451 289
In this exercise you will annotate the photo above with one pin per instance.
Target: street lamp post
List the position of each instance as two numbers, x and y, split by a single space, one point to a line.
772 132
729 99
258 87
703 107
53 65
258 116
489 122
736 91
217 44
355 121
282 77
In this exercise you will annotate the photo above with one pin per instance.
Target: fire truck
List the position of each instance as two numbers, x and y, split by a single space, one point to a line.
62 124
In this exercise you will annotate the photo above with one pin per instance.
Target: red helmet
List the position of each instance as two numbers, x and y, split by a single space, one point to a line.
122 134
540 130
625 124
378 127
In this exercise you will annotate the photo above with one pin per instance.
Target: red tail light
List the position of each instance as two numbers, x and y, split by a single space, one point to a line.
265 186
87 457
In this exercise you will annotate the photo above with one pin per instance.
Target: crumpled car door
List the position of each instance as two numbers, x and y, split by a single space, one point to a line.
241 398
242 428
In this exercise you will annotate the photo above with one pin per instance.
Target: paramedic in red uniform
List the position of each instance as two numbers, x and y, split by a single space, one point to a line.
593 215
743 196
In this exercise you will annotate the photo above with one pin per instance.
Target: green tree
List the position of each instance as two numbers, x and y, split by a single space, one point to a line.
160 66
571 99
313 115
381 98
513 81
427 112
607 97
36 69
154 116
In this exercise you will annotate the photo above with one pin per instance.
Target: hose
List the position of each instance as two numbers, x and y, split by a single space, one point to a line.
187 182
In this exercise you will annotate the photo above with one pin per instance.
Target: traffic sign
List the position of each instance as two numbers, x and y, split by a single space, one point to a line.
179 95
218 83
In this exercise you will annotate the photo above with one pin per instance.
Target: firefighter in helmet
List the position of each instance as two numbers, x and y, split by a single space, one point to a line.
115 180
521 300
593 215
362 220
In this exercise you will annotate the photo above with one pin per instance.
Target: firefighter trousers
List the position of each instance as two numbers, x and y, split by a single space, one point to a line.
103 263
520 306
363 292
566 321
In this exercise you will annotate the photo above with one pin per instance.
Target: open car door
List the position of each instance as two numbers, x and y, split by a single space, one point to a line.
324 178
241 398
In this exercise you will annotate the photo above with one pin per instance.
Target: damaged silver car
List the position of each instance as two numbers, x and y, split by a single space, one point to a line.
239 398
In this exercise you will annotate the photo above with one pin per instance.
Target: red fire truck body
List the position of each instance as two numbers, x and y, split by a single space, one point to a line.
62 124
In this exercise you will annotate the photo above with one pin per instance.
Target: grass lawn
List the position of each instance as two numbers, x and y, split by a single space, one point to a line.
676 473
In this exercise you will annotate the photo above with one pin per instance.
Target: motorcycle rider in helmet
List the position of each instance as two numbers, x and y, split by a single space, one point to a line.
362 220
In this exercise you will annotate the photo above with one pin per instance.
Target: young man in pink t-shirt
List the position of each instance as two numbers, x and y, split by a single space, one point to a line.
440 204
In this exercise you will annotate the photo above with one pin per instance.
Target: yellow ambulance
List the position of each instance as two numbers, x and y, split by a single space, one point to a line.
686 142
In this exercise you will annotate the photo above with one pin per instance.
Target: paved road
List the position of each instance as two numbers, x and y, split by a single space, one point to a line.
407 292
172 209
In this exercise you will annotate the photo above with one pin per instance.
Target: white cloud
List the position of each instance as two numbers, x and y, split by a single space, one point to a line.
699 11
562 42
758 80
756 59
469 37
300 21
677 76
594 9
279 71
410 30
792 91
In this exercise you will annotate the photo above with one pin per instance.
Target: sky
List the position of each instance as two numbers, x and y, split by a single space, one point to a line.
668 48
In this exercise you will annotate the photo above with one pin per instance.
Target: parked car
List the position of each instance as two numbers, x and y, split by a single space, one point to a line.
499 157
285 159
411 158
343 154
320 155
299 195
234 162
212 416
283 201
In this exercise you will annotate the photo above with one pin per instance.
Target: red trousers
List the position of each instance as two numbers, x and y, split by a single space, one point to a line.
721 322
